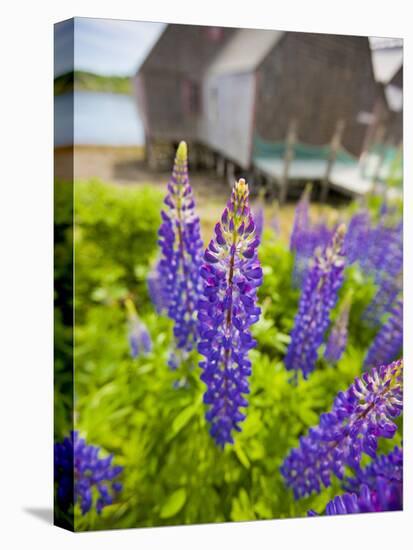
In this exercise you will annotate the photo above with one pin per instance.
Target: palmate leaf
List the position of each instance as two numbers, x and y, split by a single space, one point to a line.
173 472
173 504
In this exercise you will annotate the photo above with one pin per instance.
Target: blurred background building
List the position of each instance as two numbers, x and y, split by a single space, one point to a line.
282 105
280 108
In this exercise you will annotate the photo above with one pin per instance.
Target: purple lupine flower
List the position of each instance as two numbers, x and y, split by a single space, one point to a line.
383 252
337 340
139 338
301 219
316 236
387 267
390 287
357 236
140 342
383 498
181 247
359 416
79 472
318 298
388 342
232 275
156 290
388 468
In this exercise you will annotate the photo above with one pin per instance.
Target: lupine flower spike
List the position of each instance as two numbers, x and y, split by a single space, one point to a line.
359 417
337 340
390 287
156 290
385 468
318 298
140 342
357 236
181 248
388 342
232 275
383 498
79 471
306 237
301 219
376 488
384 260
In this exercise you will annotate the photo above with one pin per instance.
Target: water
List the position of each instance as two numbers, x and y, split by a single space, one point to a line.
100 118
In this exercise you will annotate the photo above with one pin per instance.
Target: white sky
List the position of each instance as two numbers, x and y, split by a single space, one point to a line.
116 47
105 46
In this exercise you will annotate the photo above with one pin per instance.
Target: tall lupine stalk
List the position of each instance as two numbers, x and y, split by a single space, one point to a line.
306 238
80 475
232 275
385 468
384 250
387 268
301 219
319 296
388 342
382 498
337 340
379 250
140 342
390 287
181 254
359 417
156 289
376 488
357 236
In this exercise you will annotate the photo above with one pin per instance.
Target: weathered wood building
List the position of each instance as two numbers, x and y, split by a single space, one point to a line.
169 82
236 93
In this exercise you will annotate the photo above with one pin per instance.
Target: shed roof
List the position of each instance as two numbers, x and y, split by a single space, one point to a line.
244 51
386 63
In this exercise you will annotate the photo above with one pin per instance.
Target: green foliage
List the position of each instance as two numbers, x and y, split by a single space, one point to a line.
116 236
63 307
84 80
156 429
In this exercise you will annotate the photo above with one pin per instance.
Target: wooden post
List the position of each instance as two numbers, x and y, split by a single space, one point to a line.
288 157
151 156
230 174
377 137
334 147
376 175
369 136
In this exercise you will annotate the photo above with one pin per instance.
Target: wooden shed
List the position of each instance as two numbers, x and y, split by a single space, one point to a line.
314 80
253 97
169 82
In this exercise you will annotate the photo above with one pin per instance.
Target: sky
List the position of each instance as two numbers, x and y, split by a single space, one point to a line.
104 46
115 47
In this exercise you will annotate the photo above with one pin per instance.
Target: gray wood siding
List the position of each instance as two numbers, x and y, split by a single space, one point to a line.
317 79
228 111
177 60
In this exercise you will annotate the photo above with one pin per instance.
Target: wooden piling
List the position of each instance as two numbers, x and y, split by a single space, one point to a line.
334 147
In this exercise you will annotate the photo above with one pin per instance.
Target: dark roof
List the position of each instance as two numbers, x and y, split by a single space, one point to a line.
244 51
186 49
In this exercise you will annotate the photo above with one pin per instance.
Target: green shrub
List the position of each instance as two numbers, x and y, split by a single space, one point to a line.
156 429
